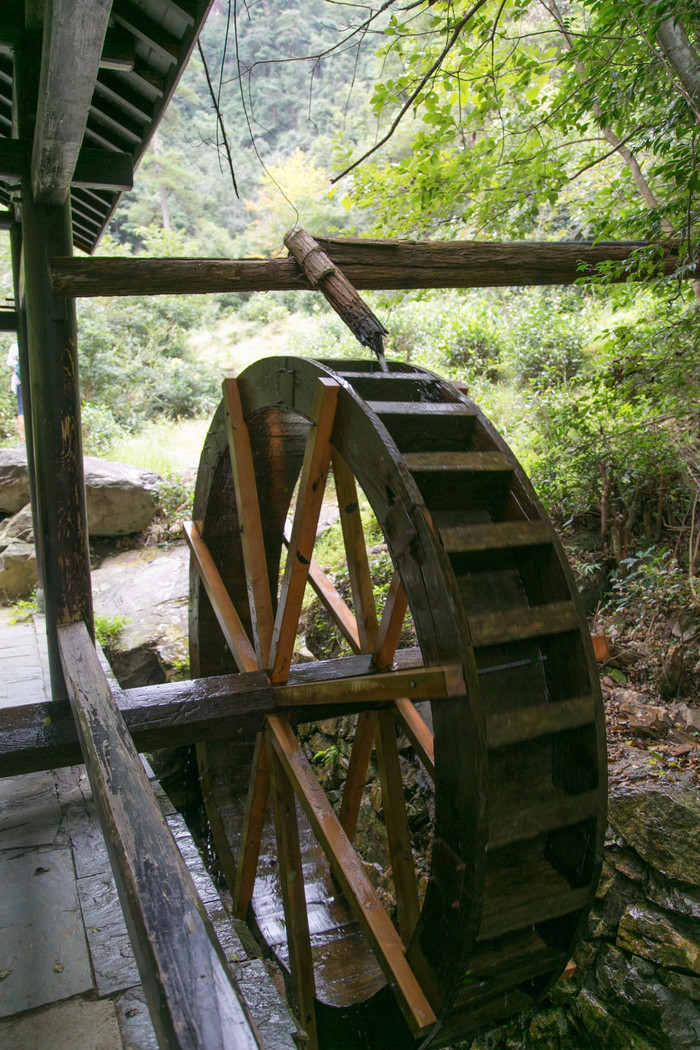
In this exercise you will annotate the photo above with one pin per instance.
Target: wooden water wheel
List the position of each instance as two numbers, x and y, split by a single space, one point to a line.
514 741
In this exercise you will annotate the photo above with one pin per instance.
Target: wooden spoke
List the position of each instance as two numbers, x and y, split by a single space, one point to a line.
245 486
292 883
417 732
396 821
356 776
337 609
347 869
251 836
391 624
356 553
311 488
419 683
229 620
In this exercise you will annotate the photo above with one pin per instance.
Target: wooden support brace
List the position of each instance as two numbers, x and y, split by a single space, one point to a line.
356 553
347 869
254 558
356 776
253 824
417 732
312 485
224 609
293 897
190 993
391 624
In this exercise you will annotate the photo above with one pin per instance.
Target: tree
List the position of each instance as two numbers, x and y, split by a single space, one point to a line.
505 109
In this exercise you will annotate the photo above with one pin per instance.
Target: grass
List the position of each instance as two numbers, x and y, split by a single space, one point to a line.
163 446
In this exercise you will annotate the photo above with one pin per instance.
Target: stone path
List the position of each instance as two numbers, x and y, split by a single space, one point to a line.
67 972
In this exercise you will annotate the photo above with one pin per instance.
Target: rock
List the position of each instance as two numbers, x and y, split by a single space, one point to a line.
605 1030
150 589
685 715
671 1020
14 482
681 983
638 714
662 823
674 896
18 572
656 935
671 670
120 499
19 527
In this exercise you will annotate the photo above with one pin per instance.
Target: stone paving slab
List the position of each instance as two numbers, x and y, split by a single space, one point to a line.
43 953
69 1025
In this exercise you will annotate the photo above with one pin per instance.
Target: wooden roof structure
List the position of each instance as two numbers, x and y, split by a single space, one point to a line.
102 72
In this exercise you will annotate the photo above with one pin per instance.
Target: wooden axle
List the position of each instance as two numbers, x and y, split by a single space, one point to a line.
367 264
40 736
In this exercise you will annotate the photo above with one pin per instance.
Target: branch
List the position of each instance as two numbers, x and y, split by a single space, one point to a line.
416 92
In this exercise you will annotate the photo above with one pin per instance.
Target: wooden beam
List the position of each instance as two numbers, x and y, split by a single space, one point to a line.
74 33
11 26
188 987
94 168
6 219
118 51
372 265
42 736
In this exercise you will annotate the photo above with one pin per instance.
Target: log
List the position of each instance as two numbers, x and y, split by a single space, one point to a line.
190 993
367 264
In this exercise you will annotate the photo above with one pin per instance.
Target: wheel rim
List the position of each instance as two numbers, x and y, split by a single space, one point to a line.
488 589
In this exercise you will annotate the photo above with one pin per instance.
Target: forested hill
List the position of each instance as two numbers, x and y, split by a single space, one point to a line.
288 85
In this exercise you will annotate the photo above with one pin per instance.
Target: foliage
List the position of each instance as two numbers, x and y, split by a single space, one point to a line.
109 630
649 582
99 428
23 609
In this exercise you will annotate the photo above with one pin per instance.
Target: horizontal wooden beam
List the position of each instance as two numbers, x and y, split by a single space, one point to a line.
11 26
119 50
189 990
6 219
42 736
95 168
367 264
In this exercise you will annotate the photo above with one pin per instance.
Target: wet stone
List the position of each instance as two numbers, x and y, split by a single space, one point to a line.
65 1026
135 1022
43 953
656 935
110 949
662 823
605 1030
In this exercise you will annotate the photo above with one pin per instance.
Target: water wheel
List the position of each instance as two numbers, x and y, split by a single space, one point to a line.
513 738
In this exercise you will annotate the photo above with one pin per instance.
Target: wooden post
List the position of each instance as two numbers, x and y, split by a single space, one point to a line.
54 396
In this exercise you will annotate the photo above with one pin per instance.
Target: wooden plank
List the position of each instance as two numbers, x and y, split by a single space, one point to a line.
517 819
535 621
348 870
396 824
419 684
417 732
356 776
147 30
415 264
252 830
74 32
356 553
8 321
391 624
252 541
292 883
189 990
229 620
508 916
497 535
118 51
528 723
104 169
312 485
445 462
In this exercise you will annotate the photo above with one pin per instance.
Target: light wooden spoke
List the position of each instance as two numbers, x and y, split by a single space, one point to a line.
224 610
292 883
337 609
251 836
396 822
417 732
356 553
310 497
420 683
350 874
356 776
252 541
391 624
